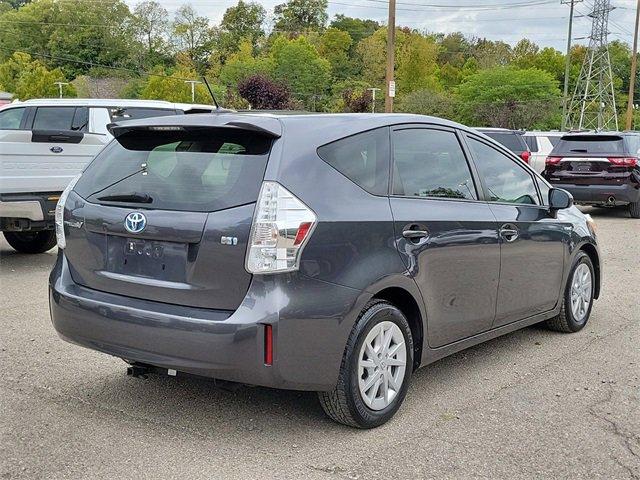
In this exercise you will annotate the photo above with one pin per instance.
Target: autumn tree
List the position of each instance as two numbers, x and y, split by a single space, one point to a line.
264 94
28 78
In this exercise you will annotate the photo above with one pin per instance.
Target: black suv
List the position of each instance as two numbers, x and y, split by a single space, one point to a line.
332 253
599 169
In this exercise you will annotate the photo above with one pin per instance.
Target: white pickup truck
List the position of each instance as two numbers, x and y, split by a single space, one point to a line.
44 144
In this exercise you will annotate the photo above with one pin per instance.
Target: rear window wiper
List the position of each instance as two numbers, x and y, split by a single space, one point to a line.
127 197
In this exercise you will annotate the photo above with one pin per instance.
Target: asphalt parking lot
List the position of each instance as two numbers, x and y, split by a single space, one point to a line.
533 404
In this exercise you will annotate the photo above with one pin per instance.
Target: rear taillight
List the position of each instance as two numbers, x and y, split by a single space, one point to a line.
553 160
624 161
282 225
525 156
59 213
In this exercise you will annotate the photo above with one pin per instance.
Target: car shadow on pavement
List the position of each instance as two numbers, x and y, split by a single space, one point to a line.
197 404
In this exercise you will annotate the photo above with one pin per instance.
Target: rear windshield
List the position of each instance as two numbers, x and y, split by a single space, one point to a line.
589 144
512 141
200 170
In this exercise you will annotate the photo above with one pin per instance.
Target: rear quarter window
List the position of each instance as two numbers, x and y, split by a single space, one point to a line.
362 158
11 118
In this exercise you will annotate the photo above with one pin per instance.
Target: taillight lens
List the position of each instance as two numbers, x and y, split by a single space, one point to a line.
525 156
624 161
553 160
59 215
282 225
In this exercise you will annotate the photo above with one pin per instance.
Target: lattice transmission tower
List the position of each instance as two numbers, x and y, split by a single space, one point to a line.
593 105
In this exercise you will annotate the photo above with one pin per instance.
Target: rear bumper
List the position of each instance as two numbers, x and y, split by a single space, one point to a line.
219 344
602 194
27 211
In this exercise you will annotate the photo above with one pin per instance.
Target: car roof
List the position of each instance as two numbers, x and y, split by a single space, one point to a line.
107 102
321 127
548 133
496 129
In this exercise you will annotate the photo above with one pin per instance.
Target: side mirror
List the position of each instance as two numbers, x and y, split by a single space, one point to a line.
559 199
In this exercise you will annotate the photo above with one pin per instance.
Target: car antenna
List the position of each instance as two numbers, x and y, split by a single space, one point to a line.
213 97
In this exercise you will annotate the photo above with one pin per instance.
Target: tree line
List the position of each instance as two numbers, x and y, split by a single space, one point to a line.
294 57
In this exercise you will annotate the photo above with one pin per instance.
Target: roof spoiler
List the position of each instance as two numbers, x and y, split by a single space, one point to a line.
269 129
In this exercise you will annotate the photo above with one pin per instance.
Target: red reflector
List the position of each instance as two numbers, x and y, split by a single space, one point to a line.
553 160
526 155
303 229
624 161
268 345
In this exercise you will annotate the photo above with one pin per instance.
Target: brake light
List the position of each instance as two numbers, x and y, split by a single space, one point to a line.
624 161
281 227
525 156
553 160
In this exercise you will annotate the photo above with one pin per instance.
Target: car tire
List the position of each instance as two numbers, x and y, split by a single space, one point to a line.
570 320
345 403
634 209
31 242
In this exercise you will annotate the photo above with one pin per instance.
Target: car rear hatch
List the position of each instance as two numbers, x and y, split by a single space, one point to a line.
165 214
590 159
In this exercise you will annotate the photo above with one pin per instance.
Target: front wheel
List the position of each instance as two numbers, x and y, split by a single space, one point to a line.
578 297
375 371
31 242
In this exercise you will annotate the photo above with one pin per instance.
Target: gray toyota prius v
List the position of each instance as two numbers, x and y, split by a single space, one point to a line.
335 253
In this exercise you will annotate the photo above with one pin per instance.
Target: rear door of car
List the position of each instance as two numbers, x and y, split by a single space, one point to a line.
165 215
533 244
446 234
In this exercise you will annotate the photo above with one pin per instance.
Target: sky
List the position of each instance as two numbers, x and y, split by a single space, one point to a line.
542 21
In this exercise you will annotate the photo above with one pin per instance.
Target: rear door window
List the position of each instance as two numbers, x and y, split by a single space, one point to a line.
430 163
11 118
200 170
362 158
54 118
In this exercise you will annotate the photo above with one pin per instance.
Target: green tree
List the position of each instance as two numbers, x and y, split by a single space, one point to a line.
455 49
429 102
356 28
416 64
243 64
151 24
28 78
299 16
491 54
241 22
509 97
296 63
193 35
334 46
171 86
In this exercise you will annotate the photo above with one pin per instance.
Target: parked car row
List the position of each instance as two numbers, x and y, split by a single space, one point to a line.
598 168
44 144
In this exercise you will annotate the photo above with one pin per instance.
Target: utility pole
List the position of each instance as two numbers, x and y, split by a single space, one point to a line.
567 65
60 85
634 66
391 50
193 89
373 97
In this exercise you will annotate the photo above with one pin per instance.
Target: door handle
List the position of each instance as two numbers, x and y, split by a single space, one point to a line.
509 232
415 234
